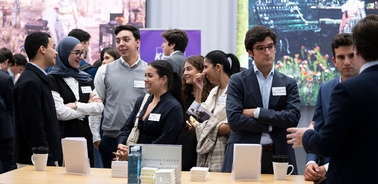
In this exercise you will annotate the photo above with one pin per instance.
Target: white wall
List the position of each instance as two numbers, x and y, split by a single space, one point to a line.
217 20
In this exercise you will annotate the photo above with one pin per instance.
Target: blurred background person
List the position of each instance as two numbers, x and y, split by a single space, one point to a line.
110 55
73 94
15 69
6 117
353 11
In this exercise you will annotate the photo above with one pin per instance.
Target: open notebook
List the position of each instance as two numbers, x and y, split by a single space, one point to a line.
75 155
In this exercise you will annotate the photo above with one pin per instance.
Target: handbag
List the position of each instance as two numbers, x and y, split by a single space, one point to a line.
134 134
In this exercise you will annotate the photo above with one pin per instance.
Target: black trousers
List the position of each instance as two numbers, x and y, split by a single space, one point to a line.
6 154
107 146
267 162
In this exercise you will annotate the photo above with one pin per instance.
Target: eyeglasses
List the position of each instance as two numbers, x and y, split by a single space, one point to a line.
261 49
78 53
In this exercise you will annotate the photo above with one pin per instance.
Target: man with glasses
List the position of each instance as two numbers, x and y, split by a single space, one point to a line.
261 103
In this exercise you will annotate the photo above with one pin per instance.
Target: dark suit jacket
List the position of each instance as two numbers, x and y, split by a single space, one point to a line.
177 62
36 123
349 134
321 111
243 93
6 111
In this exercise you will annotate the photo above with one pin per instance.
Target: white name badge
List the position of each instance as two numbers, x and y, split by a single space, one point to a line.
86 89
139 84
222 100
154 117
279 91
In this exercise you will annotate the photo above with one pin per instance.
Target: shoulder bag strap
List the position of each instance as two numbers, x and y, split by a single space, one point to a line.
140 109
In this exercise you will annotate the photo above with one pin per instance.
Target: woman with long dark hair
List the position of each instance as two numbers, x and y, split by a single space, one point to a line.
212 135
162 116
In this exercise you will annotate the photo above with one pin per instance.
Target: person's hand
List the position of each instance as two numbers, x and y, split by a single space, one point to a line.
94 98
198 81
97 144
312 172
323 172
295 138
72 105
248 112
122 153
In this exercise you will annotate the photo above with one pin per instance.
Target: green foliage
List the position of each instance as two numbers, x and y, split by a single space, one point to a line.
309 68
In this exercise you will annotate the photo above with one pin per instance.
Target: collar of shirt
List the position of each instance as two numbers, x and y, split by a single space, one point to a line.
127 64
257 70
10 73
38 67
174 52
368 64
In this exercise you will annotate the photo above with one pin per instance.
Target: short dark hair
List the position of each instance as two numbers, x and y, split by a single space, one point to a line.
257 34
2 58
365 37
130 28
34 41
177 37
8 55
80 34
343 39
20 60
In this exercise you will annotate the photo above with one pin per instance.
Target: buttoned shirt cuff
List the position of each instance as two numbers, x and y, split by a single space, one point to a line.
256 113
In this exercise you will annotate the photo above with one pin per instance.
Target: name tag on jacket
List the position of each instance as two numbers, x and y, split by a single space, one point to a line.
154 117
86 89
279 91
139 84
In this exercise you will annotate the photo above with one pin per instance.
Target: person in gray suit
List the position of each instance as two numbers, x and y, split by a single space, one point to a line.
174 45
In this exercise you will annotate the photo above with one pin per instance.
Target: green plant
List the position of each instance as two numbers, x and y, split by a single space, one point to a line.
309 68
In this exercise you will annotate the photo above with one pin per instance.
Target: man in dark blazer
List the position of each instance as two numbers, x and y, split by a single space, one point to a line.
343 59
6 116
36 123
350 129
174 45
261 103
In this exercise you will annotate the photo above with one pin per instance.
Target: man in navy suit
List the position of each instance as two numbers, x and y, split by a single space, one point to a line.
6 114
174 45
261 103
35 119
343 59
349 133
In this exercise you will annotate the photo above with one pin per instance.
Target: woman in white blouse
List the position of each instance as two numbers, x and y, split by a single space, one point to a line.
73 93
212 134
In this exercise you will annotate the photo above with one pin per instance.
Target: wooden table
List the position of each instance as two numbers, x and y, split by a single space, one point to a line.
28 175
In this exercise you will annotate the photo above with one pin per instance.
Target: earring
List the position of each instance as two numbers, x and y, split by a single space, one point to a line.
218 72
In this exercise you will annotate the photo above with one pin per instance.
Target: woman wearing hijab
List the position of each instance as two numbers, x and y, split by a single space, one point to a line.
73 93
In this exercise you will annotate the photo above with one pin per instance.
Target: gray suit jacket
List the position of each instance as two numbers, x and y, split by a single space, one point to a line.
177 61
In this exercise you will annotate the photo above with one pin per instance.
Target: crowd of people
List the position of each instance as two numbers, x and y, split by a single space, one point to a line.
56 95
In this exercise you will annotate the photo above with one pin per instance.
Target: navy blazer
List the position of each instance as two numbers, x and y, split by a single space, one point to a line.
284 112
35 119
6 109
321 111
163 131
349 134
